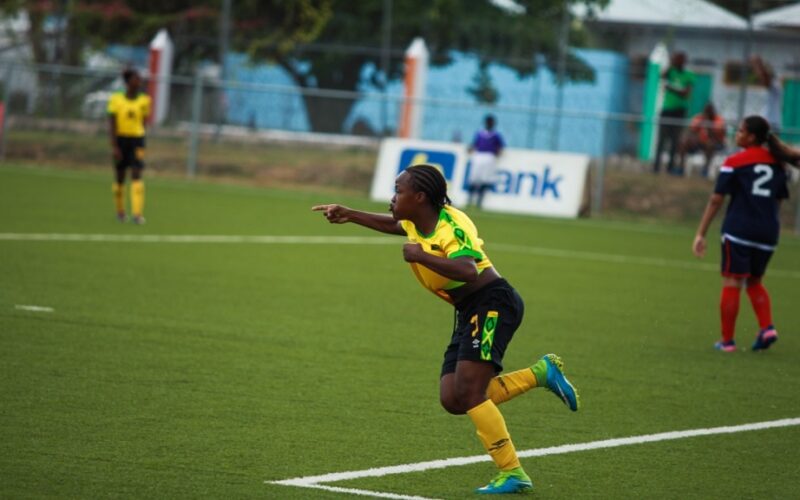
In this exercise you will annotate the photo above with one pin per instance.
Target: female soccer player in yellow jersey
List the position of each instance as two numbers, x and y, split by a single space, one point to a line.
128 112
447 257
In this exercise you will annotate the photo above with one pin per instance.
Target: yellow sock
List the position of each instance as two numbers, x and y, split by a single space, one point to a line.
137 197
508 386
119 197
491 430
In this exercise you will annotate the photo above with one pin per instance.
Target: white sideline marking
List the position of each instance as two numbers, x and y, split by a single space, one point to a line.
369 240
41 309
200 238
314 481
366 493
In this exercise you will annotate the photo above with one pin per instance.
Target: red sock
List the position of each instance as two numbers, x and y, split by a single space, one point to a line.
728 310
760 300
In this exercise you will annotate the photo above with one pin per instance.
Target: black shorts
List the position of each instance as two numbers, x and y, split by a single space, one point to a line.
132 150
485 322
742 260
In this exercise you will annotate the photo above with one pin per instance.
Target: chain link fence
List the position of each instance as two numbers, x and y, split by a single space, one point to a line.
55 112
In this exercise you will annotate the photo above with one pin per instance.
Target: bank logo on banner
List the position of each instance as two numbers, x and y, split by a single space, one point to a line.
396 155
533 182
445 161
538 182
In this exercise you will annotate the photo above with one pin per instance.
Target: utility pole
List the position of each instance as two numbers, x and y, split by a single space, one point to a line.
224 35
386 45
563 43
745 60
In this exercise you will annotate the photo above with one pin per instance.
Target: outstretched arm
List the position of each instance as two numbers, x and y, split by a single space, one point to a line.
339 214
713 206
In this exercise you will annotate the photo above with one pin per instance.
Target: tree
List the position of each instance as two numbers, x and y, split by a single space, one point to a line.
322 44
496 34
77 25
61 31
482 88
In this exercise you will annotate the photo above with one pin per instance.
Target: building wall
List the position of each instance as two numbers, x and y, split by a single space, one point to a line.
710 52
526 109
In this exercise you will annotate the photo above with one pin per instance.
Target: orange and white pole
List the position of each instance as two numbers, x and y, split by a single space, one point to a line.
416 74
160 67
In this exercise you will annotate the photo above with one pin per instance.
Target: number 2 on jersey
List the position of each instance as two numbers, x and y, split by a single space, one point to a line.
764 176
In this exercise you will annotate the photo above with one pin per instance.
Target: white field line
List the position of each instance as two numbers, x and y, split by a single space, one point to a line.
43 309
200 238
314 481
371 240
360 492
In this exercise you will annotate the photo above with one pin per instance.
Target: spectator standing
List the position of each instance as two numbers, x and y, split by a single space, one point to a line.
678 84
486 148
772 106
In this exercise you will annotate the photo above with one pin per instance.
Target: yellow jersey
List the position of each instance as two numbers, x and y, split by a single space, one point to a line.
129 114
455 236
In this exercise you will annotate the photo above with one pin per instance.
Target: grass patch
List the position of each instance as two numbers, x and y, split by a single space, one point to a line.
178 370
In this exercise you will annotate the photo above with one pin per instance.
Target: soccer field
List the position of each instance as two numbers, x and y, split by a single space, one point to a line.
238 340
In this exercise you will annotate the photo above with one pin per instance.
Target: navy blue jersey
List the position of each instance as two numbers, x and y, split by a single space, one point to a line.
756 183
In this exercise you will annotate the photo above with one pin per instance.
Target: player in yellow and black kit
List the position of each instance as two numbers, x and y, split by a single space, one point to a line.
447 257
128 111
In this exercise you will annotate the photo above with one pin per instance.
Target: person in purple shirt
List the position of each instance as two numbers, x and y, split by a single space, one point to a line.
486 147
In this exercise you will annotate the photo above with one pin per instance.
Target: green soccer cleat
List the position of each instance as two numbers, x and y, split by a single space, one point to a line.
507 481
550 369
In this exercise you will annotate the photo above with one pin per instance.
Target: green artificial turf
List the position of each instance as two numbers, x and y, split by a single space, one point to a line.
206 370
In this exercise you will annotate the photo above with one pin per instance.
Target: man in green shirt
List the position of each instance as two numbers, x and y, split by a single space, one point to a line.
677 88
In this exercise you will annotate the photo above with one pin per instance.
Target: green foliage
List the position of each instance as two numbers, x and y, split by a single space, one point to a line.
482 88
327 43
483 28
496 35
193 25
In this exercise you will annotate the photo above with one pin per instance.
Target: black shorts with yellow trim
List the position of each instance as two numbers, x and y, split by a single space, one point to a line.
743 258
485 322
132 151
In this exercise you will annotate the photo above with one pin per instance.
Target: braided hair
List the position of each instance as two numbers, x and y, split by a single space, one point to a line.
429 180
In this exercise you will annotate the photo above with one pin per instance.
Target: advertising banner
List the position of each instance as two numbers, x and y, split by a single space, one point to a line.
526 181
398 154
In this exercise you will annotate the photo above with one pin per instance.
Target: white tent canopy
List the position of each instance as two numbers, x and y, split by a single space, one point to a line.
680 13
787 16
